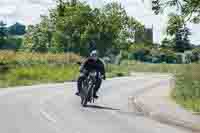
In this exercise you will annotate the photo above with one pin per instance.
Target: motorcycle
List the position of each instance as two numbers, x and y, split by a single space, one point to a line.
88 85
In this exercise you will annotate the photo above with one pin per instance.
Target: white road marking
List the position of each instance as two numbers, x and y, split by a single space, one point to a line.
47 116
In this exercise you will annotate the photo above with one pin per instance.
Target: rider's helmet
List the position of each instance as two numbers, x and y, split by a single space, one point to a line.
94 54
92 46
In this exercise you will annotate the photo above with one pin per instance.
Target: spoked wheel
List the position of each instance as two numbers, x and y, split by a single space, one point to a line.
83 101
84 93
87 92
87 98
83 98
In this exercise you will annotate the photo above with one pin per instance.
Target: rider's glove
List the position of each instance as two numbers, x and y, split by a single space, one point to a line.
84 71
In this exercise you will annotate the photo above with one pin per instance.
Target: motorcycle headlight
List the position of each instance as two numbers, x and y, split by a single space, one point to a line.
93 73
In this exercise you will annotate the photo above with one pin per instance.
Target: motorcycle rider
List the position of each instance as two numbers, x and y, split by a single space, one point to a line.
90 64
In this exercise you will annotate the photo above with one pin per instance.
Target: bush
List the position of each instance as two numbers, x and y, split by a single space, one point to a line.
153 55
168 56
12 43
139 52
195 55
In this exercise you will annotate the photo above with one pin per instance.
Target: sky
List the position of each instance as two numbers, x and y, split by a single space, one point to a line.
29 11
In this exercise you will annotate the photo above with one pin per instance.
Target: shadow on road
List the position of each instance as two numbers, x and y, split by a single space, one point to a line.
101 107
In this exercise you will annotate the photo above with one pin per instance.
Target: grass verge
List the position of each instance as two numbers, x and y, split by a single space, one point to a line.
37 74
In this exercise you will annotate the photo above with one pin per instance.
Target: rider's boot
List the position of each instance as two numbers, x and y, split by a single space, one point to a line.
77 93
95 96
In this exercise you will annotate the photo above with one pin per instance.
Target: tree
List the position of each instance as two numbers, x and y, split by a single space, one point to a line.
127 35
28 38
37 38
3 34
17 29
196 55
167 43
119 27
186 40
113 26
175 23
182 41
73 2
179 33
6 41
71 26
188 9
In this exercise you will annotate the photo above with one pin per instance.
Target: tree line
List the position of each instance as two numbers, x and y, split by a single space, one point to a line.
10 36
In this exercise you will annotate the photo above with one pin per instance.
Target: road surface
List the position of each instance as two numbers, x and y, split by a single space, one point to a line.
54 108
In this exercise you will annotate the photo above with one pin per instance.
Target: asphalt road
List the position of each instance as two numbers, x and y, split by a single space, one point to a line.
54 108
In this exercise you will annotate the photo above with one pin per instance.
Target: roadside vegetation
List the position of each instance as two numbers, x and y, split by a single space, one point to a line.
22 68
37 74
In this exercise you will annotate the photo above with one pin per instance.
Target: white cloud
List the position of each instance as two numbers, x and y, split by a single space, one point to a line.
25 11
95 3
195 28
33 13
7 10
8 2
41 2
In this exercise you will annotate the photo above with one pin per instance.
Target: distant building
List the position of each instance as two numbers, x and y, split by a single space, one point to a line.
144 37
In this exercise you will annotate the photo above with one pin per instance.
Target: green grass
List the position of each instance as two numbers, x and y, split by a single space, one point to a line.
22 68
38 74
20 75
116 71
47 73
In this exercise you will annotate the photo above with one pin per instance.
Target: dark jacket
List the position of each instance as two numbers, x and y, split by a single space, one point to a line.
90 64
